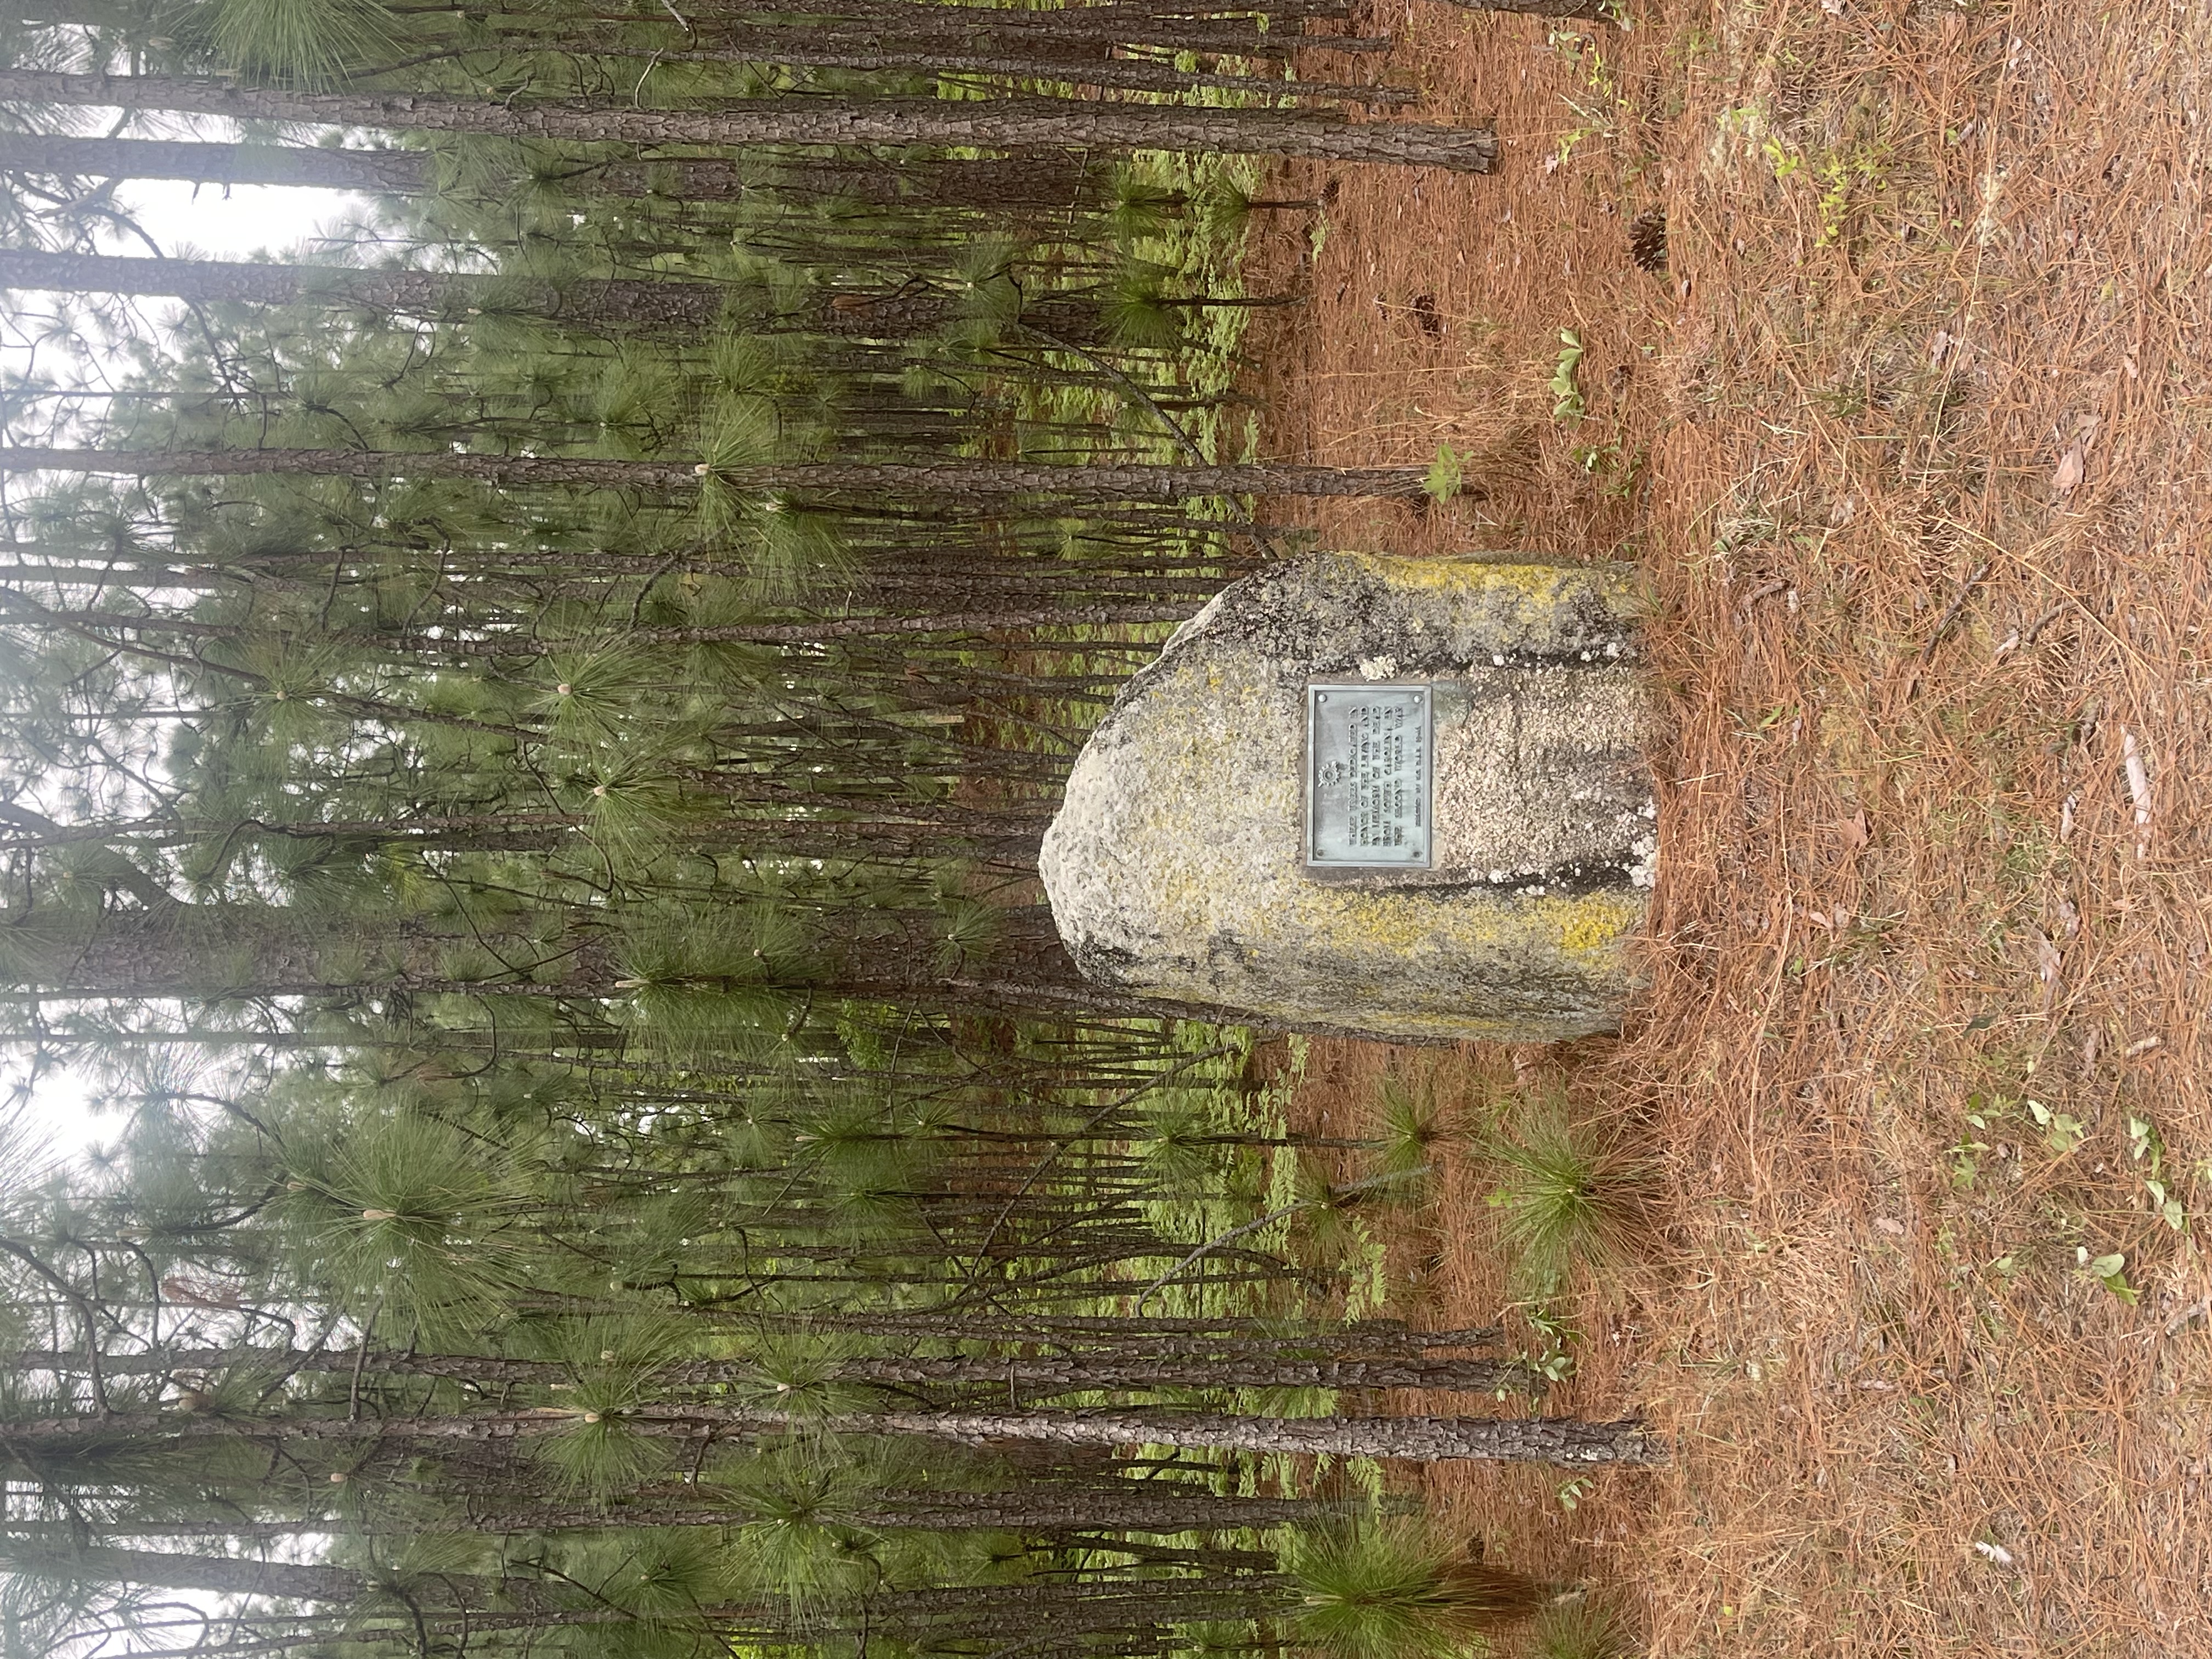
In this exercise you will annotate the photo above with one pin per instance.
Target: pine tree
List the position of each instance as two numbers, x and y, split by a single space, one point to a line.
958 479
1010 123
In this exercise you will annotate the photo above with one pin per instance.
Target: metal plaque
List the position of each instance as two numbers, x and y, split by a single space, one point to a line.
1369 760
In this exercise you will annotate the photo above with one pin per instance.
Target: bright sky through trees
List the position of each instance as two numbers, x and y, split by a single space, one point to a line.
213 222
228 224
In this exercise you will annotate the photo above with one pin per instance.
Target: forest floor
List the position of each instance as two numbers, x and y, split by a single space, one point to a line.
1911 438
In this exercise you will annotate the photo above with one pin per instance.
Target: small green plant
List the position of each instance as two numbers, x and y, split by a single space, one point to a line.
1579 1630
1332 1219
1597 113
1137 206
1447 474
2110 1271
1753 726
1835 179
2147 1148
1564 1195
1392 1591
1135 310
1566 384
1410 1126
1180 1144
1965 1157
1554 1359
2062 1133
1571 1494
1613 465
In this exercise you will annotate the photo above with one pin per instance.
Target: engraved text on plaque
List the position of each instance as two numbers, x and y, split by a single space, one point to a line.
1368 763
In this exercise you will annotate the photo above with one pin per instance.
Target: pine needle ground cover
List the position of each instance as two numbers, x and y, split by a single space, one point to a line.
1908 435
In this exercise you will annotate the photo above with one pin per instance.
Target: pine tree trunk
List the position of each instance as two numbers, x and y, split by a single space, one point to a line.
630 303
1596 11
213 1574
222 952
426 647
855 836
1038 184
1150 1336
419 293
1146 1506
990 124
212 953
292 1581
1066 1374
1565 1441
1447 1439
1067 1606
891 56
1227 29
369 172
1030 1373
879 480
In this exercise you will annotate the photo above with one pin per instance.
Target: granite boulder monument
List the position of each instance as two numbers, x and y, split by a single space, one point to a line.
1395 798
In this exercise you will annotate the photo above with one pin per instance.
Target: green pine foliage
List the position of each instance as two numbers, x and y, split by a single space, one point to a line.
1390 1591
1581 1630
1567 1195
312 43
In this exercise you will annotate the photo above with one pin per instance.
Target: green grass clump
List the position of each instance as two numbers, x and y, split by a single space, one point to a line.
1410 1129
1565 1196
1579 1630
1390 1591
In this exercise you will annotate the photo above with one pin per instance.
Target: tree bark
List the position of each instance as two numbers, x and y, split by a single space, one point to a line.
855 835
421 293
1067 1606
1099 26
214 953
881 480
220 952
1563 1441
630 303
1031 1374
1154 1336
819 49
991 124
1033 184
221 1575
423 647
1147 1506
369 172
1596 11
1430 1439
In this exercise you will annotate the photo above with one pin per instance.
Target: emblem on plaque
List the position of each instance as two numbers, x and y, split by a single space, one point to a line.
1369 759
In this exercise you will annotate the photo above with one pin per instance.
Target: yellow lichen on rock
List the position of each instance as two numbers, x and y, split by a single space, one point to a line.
1596 923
